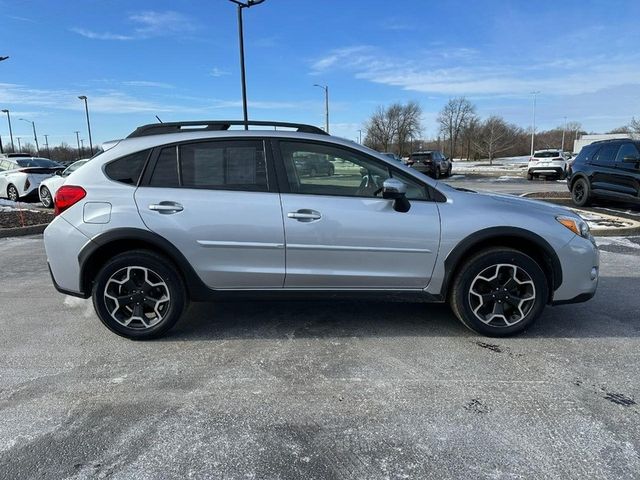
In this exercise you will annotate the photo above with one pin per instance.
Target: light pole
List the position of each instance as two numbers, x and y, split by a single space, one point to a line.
13 148
326 105
19 146
533 129
241 5
86 109
46 142
35 135
564 129
82 144
360 137
78 140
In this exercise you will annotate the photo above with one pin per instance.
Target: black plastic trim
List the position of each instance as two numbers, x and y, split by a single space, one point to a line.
64 290
583 297
464 247
215 125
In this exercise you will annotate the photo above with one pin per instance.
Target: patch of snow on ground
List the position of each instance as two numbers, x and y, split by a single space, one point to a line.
602 221
623 241
80 304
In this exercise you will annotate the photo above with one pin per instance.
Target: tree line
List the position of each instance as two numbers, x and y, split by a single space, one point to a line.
463 134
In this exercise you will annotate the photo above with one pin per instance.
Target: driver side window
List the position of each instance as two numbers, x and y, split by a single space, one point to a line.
327 170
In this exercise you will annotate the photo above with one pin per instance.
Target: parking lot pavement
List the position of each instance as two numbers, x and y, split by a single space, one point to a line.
318 389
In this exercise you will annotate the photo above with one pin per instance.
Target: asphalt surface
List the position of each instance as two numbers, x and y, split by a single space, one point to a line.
318 389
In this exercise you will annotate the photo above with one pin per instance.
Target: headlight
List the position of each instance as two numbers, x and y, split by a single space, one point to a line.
576 225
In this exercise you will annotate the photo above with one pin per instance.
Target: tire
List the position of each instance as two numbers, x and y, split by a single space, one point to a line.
581 192
449 170
12 193
529 176
436 174
480 301
46 198
147 276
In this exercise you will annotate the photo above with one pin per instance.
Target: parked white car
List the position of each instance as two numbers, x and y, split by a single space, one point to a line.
549 163
50 186
20 177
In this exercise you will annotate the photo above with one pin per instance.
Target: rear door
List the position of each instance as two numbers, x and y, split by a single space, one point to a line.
604 170
217 202
340 233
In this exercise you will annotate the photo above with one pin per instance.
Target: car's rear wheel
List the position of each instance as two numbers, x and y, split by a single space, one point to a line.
529 176
12 193
436 174
581 192
449 170
139 295
46 198
499 292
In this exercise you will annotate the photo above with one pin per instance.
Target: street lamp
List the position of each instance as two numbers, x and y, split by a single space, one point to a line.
13 148
241 5
86 109
35 135
82 144
564 129
360 137
80 152
326 105
19 146
533 130
46 142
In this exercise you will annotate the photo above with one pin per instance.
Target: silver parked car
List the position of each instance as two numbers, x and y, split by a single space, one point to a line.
175 213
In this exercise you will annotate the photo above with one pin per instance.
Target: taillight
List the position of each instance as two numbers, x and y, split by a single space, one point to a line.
67 196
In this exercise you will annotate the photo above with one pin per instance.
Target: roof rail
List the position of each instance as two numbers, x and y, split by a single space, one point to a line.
215 125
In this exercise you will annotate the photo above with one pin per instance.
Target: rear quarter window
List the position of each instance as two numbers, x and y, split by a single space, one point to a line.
127 169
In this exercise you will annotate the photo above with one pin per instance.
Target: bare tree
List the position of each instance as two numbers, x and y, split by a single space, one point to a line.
634 125
495 136
453 117
391 128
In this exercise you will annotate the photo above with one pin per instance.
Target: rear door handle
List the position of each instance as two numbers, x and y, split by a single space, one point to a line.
305 215
166 207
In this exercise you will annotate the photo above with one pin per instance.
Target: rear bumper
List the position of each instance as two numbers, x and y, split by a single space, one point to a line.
546 170
422 168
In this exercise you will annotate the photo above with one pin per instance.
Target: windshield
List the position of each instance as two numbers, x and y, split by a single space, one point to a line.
74 166
37 162
547 154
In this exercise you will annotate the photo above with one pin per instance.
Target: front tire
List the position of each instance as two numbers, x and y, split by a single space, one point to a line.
46 198
581 192
12 193
499 292
139 295
436 175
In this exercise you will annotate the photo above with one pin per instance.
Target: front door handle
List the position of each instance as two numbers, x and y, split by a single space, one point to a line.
305 215
166 207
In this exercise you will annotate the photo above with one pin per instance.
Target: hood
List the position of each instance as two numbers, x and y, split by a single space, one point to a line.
521 202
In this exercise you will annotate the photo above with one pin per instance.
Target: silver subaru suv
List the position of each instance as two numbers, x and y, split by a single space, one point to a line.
202 210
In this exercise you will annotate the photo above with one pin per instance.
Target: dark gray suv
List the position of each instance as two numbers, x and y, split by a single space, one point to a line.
430 162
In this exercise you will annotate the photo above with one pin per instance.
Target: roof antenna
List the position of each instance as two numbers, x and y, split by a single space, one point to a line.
159 119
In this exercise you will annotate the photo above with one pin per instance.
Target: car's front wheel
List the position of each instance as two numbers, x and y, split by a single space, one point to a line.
139 295
46 198
12 193
499 292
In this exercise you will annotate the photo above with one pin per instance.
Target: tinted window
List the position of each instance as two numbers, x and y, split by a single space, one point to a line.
224 165
547 154
606 155
627 150
418 157
165 172
127 169
352 175
37 162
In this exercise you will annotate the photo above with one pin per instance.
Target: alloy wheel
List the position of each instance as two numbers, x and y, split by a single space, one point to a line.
502 295
137 297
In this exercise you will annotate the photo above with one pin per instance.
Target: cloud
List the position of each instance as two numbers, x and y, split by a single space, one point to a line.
218 72
463 71
147 24
147 83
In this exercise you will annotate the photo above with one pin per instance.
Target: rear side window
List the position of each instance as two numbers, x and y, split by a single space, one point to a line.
239 165
606 155
627 150
165 172
127 169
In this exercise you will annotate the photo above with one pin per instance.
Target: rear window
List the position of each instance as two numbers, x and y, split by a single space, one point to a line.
547 154
37 162
127 169
421 156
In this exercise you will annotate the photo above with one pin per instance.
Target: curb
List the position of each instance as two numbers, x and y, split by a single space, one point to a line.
23 231
622 232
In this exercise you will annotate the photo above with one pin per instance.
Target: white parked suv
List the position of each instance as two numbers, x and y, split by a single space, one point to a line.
50 186
548 163
21 176
200 211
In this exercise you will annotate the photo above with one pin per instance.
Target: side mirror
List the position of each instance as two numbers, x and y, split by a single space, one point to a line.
395 190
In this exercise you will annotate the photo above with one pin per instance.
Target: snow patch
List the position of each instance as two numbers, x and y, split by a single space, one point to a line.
79 304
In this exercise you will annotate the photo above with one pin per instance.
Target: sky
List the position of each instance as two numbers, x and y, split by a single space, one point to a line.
179 60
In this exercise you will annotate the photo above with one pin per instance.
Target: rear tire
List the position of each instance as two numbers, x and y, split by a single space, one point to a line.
529 176
46 198
12 193
139 295
436 175
499 292
581 193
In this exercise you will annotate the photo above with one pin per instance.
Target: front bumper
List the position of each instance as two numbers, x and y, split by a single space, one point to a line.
580 261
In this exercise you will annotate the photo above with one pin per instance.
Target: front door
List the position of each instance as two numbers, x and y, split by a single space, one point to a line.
213 200
628 173
341 234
